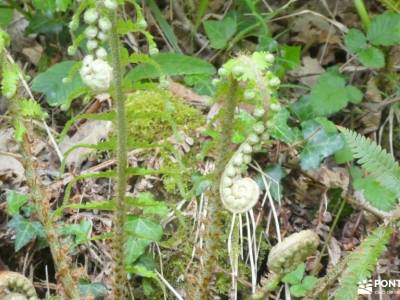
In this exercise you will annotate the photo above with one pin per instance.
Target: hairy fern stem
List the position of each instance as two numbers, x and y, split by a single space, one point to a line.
119 278
59 253
214 226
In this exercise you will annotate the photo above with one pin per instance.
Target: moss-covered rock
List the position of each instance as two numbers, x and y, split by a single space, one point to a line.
154 115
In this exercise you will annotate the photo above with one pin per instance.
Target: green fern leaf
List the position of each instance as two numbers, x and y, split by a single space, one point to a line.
4 40
10 79
32 109
393 5
362 262
375 160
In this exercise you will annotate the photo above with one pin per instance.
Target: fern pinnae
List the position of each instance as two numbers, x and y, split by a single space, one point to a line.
362 262
374 160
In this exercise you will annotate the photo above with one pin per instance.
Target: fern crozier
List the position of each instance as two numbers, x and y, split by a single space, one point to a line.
293 250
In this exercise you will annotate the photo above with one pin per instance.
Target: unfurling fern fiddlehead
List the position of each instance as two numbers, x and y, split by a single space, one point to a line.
285 256
14 286
239 194
243 79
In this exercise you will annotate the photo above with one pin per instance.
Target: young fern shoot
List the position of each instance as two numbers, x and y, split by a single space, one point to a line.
242 79
24 111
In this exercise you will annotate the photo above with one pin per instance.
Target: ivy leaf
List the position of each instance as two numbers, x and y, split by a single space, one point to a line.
143 228
279 129
384 30
355 40
14 202
51 84
141 232
134 248
220 32
320 145
295 276
80 231
95 290
330 94
371 57
25 231
373 191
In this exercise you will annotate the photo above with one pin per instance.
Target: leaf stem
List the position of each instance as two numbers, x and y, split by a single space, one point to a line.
363 13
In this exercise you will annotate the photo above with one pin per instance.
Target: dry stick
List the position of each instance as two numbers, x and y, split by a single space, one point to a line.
214 228
119 278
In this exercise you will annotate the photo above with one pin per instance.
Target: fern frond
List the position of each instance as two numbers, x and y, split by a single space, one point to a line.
9 82
375 160
393 5
362 262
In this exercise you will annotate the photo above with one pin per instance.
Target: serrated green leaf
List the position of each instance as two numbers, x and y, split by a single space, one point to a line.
309 282
51 84
220 32
14 202
320 145
10 76
171 64
296 275
354 94
384 30
330 94
298 290
371 57
355 40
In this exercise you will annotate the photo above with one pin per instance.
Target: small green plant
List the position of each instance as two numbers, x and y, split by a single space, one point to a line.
299 283
379 34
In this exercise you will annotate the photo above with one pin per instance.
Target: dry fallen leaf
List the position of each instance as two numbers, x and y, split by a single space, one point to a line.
11 170
91 132
309 72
